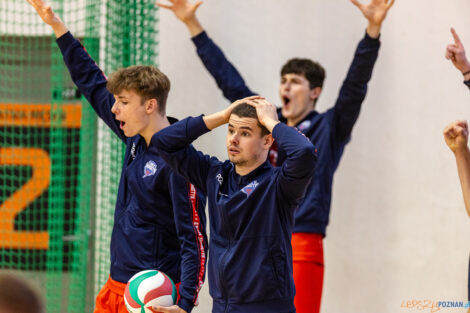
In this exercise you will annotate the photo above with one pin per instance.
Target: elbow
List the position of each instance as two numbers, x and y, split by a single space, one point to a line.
309 155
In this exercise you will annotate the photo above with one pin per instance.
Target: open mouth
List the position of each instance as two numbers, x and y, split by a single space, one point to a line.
285 101
122 124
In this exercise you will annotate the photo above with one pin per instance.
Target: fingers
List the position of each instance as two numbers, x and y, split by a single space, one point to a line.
456 37
453 49
252 98
450 55
462 123
196 5
157 309
389 5
457 128
357 3
165 6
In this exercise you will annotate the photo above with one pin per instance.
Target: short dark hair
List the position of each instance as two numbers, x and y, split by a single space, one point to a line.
246 110
313 71
17 296
145 80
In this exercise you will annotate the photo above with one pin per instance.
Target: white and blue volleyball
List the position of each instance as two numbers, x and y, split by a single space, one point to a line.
149 288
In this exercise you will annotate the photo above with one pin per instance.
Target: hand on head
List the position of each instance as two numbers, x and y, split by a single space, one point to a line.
267 113
456 53
456 135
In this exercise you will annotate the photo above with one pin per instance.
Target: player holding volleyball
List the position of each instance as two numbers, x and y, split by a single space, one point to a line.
159 220
456 133
300 87
251 203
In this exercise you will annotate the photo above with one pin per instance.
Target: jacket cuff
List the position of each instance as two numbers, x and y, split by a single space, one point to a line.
467 82
201 39
65 40
372 41
186 304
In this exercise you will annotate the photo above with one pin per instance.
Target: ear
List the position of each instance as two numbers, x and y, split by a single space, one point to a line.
151 106
268 141
315 93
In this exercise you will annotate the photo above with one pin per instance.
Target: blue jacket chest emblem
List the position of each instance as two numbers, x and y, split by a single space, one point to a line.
150 169
248 189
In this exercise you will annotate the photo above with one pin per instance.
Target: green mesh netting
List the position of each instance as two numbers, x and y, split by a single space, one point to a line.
58 166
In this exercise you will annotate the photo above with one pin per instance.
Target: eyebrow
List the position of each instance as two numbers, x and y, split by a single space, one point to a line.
242 127
121 97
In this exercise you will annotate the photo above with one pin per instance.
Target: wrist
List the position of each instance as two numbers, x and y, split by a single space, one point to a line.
373 29
466 71
193 26
59 28
461 151
270 124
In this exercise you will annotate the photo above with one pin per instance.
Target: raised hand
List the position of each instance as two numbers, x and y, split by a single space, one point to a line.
456 136
46 13
186 13
375 12
456 53
182 9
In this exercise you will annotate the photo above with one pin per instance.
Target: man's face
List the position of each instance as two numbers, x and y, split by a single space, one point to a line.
296 95
130 111
245 146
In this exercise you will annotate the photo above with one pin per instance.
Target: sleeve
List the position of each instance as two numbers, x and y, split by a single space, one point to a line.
467 82
188 206
90 80
227 77
354 88
298 168
174 146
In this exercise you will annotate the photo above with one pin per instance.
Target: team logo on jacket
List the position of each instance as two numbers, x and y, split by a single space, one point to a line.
150 169
248 189
304 125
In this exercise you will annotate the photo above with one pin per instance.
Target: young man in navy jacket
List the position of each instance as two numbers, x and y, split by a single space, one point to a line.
251 203
301 85
456 133
159 220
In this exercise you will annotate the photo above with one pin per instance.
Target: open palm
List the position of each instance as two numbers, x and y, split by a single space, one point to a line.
376 11
45 12
182 9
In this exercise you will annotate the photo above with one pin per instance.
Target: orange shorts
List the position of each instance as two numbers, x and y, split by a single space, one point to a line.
111 298
307 254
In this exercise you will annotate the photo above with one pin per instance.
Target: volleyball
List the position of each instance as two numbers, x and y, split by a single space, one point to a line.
149 288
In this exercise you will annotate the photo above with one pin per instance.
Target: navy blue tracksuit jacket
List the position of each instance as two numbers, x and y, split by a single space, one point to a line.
159 220
329 131
251 217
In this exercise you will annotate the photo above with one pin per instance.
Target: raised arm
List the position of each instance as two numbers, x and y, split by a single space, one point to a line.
354 88
456 137
86 75
227 77
456 53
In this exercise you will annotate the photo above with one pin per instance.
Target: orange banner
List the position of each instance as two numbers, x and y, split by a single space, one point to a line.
67 115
